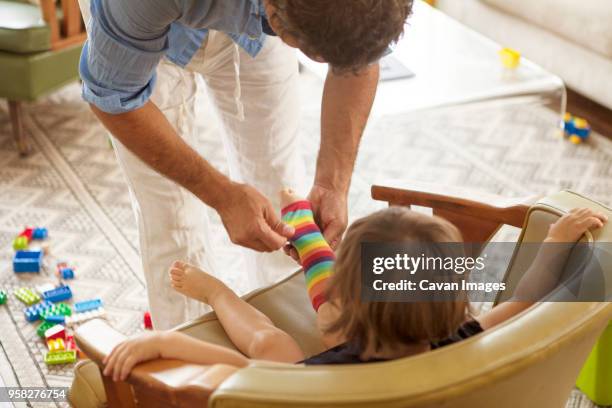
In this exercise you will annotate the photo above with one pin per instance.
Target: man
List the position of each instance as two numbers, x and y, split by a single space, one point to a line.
139 69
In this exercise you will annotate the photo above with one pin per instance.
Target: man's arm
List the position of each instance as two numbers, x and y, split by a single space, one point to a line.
347 101
247 215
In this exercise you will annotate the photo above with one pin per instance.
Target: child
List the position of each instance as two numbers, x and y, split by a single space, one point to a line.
354 331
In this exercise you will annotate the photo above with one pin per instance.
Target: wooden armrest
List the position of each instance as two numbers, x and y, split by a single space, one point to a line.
154 383
478 216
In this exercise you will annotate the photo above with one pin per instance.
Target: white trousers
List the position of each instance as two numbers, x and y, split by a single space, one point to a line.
257 102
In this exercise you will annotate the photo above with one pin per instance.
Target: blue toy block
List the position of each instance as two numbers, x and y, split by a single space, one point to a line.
27 261
32 313
40 233
57 319
87 305
67 273
58 294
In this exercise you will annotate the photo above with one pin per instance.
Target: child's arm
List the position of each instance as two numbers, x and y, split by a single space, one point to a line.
543 275
170 345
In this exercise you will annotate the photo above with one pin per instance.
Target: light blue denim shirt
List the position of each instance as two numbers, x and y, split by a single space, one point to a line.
128 38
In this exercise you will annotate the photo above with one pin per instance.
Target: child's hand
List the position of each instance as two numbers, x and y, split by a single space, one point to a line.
126 355
571 226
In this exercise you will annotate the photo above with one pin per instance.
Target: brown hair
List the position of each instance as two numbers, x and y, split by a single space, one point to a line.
373 325
348 34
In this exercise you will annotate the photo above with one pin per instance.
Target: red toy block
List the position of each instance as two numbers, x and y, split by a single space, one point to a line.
71 345
27 233
148 324
56 332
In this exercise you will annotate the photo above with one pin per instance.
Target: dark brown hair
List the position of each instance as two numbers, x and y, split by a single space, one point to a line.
373 325
348 34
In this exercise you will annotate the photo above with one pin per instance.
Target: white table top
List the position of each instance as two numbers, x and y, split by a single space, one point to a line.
453 65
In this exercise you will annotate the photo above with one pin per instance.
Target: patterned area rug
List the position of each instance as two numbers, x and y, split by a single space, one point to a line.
71 184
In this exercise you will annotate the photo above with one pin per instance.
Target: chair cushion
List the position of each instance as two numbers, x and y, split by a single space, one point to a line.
587 23
22 29
29 76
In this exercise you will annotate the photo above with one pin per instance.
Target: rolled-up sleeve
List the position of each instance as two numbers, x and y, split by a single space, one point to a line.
126 40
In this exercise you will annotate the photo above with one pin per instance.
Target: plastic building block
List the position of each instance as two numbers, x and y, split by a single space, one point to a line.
44 287
27 232
3 297
58 294
510 58
27 296
44 326
87 305
27 261
40 233
60 357
56 332
148 324
83 317
20 243
66 273
33 313
70 343
576 129
56 345
56 313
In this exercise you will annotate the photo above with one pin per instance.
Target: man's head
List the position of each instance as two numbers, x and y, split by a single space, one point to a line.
347 34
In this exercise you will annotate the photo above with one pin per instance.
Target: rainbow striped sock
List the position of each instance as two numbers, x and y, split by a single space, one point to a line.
316 257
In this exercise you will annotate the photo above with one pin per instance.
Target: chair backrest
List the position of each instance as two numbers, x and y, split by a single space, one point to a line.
531 360
70 30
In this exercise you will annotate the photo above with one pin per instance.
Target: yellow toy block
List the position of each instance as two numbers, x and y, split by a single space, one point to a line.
56 345
510 58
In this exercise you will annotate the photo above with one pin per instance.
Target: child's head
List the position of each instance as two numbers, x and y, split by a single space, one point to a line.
375 325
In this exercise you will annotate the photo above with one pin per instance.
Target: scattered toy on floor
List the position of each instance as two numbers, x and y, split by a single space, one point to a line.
58 294
27 261
87 305
148 323
78 318
576 129
56 345
43 327
63 271
60 357
56 331
20 243
3 297
33 313
27 296
56 313
510 58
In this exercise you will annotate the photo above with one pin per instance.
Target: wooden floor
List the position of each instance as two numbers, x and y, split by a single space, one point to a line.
598 116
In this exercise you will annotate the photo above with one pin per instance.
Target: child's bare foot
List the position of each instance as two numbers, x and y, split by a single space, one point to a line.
194 282
288 196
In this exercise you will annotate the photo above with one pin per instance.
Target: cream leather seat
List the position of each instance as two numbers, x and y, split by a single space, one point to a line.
531 360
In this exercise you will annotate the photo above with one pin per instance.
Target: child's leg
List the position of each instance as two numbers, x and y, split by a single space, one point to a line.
316 256
251 331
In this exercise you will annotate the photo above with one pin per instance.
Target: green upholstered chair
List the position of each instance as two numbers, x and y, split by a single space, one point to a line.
40 47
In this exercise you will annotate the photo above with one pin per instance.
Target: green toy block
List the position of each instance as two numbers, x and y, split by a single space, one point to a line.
44 326
60 357
20 243
595 379
2 297
57 309
27 296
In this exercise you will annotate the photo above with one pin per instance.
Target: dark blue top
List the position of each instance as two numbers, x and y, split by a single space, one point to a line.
349 354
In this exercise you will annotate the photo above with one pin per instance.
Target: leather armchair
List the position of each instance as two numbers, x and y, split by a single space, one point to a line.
39 52
530 360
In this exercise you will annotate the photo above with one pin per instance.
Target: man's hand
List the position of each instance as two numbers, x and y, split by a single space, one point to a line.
331 215
250 220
